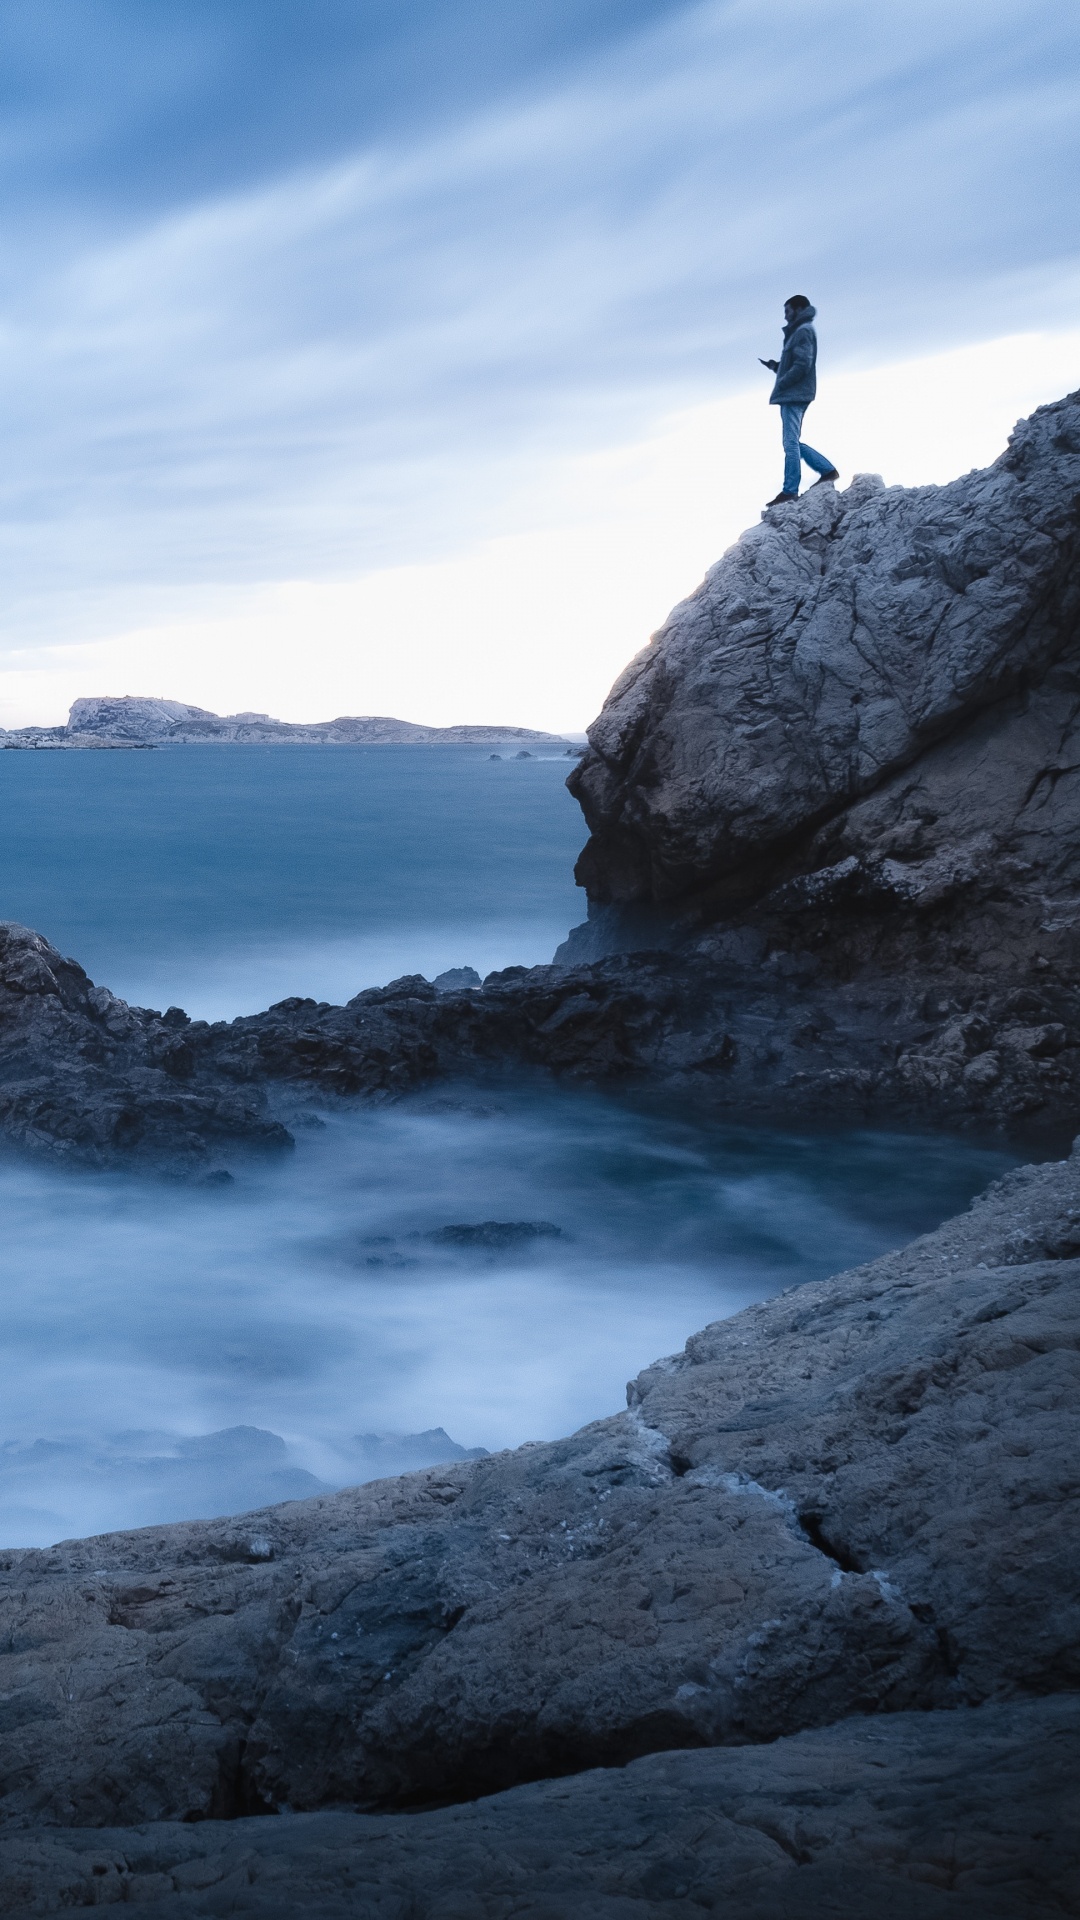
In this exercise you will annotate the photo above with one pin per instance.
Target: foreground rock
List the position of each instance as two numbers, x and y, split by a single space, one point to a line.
913 1817
858 1499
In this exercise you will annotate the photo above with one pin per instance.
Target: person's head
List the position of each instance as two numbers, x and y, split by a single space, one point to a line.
793 307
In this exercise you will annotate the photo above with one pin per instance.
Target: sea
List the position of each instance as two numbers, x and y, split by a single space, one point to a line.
469 1268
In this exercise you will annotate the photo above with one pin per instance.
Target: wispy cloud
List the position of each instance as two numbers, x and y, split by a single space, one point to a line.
535 625
319 363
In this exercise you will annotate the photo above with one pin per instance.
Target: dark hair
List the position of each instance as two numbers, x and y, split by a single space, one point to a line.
797 300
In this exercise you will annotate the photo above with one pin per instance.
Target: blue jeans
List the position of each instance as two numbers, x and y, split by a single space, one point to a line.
796 450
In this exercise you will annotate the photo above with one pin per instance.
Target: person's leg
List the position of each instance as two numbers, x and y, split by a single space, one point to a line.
816 461
791 421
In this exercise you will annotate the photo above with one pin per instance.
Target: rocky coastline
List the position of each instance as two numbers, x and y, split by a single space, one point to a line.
797 1631
834 864
132 722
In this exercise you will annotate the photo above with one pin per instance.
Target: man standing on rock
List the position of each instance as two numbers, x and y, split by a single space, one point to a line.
793 389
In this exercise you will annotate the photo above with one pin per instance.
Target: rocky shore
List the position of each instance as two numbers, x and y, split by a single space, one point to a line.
797 1631
823 1570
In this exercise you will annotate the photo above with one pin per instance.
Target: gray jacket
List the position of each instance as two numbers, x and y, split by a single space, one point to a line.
796 377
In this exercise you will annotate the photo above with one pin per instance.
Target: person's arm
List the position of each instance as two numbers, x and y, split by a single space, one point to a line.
773 365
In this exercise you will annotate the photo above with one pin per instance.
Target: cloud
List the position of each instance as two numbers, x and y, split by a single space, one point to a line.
532 626
322 363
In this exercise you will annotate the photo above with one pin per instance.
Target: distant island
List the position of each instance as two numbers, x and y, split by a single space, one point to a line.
130 721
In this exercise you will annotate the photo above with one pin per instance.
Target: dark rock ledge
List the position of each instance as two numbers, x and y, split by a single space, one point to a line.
811 1604
731 1020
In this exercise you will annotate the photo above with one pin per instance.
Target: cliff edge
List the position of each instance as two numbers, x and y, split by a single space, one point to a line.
883 680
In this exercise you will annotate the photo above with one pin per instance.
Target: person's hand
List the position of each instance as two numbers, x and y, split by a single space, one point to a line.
773 365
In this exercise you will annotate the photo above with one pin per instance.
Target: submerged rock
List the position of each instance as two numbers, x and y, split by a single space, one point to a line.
494 1236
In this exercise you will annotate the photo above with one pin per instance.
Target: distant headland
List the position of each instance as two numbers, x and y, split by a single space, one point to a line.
130 721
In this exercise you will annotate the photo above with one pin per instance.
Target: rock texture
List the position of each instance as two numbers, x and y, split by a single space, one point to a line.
913 1817
823 658
133 722
857 1500
804 1516
735 1019
85 1077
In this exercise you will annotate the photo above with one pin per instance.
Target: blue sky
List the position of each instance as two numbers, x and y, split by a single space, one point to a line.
307 292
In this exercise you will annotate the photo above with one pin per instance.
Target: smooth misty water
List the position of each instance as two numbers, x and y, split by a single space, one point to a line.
170 1350
221 879
308 1300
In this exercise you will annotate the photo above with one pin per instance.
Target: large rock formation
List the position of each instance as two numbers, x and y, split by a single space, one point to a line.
740 1021
965 1816
843 1521
827 658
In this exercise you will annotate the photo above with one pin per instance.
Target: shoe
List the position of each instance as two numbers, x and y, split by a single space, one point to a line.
781 499
833 474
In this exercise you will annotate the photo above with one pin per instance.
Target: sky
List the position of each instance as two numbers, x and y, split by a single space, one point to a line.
360 356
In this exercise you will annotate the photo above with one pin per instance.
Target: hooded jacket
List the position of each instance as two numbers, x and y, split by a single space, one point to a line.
796 377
